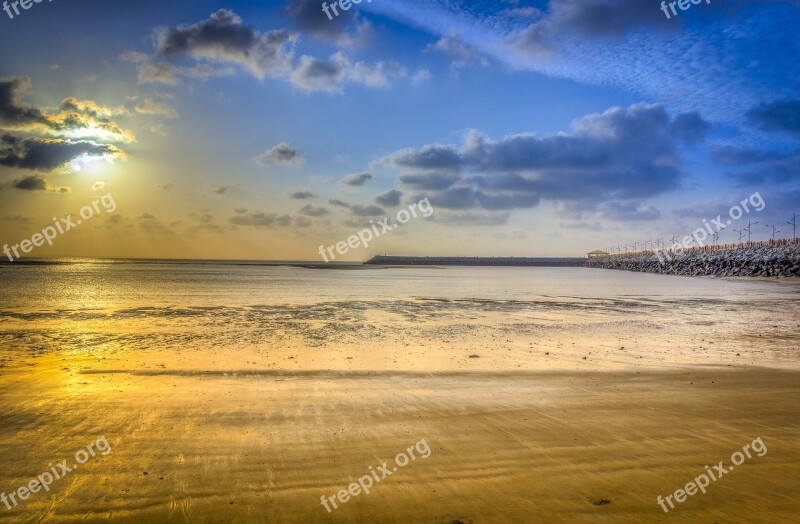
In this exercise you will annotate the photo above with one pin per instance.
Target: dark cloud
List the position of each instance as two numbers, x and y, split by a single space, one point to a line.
338 203
32 183
308 16
223 37
429 180
150 72
254 219
357 179
48 154
690 127
621 154
390 198
44 153
759 167
302 195
367 211
606 18
13 112
313 211
467 197
315 74
500 201
85 115
781 115
357 209
260 219
283 154
221 189
17 219
435 156
600 19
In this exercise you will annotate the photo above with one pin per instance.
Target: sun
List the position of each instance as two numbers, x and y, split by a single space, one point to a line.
84 161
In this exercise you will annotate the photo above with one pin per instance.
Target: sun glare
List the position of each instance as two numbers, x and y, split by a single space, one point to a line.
85 161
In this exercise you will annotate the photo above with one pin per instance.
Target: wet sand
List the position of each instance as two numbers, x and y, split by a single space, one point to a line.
506 446
542 408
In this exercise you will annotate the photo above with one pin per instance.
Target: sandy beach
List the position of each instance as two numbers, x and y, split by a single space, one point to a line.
536 409
506 447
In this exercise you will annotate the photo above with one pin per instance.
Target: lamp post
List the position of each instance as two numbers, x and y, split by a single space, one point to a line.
774 230
749 224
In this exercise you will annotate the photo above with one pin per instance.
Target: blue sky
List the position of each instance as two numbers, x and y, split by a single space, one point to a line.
534 128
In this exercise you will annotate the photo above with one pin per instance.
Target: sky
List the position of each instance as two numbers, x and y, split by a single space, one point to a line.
264 130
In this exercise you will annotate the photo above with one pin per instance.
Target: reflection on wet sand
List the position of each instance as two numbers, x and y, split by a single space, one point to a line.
241 407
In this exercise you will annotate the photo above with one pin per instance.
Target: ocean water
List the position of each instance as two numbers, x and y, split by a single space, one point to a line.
109 286
110 306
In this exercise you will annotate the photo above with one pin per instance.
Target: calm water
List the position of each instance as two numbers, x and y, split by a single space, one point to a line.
100 286
132 306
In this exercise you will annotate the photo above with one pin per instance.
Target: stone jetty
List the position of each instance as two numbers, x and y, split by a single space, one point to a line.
757 259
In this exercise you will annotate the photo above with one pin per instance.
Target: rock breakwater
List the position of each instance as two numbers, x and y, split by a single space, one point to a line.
766 260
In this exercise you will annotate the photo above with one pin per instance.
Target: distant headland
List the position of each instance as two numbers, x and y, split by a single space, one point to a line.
381 260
